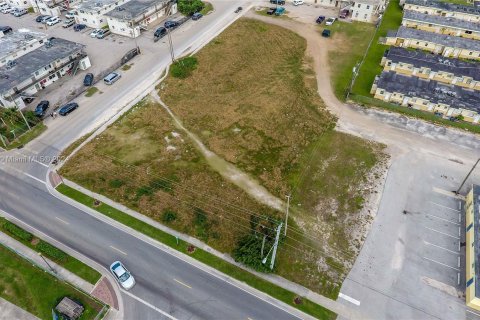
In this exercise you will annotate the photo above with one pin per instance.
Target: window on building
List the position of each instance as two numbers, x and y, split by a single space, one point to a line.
470 53
356 14
101 20
359 5
418 42
368 7
365 16
468 32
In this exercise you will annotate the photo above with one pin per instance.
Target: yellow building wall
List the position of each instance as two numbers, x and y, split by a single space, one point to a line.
471 300
439 12
465 54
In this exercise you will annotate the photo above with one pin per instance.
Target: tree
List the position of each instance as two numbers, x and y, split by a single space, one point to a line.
189 7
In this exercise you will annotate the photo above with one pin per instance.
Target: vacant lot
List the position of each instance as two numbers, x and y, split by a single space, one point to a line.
252 100
36 291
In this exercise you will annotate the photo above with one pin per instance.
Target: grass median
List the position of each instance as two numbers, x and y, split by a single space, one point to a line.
200 255
53 253
35 290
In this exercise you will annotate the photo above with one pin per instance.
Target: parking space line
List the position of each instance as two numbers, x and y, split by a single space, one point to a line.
443 264
434 245
433 216
441 205
458 278
446 234
183 284
118 250
478 314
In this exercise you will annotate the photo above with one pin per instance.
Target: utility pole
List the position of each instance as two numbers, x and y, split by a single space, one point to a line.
170 43
468 175
286 218
275 246
263 243
48 264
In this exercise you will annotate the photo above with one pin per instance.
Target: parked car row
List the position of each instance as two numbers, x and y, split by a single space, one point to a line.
278 11
48 20
99 33
17 12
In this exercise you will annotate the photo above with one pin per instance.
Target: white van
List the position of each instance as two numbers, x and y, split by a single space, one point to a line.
297 2
3 5
19 12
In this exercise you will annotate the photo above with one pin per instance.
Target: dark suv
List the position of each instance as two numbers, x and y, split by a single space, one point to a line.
280 2
41 108
88 80
5 29
66 109
159 33
171 24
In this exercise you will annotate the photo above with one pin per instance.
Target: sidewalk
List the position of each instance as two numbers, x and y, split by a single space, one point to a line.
341 309
11 311
35 257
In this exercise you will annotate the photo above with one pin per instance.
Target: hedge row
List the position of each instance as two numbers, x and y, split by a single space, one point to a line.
17 231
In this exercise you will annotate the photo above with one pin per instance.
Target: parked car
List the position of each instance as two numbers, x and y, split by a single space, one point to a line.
297 2
6 9
79 27
326 33
196 16
330 21
320 19
103 33
52 21
66 109
41 108
68 23
94 33
19 12
40 18
170 24
159 33
238 9
343 14
123 276
280 2
112 78
279 11
3 5
70 14
45 18
271 11
88 80
5 29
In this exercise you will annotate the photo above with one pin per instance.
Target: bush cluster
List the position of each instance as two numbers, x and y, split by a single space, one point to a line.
184 67
51 251
17 231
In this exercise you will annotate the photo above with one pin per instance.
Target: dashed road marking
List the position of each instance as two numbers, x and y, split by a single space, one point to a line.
440 263
118 250
62 220
445 234
349 299
183 284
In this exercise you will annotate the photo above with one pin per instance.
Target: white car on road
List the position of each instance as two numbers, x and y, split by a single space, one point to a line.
94 33
297 2
330 21
122 275
52 20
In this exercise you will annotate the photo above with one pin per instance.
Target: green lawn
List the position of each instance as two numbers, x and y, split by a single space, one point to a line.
68 262
371 66
35 290
207 9
91 91
28 136
352 42
203 256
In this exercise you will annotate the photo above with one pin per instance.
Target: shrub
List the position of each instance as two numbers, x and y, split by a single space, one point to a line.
248 252
189 7
183 67
143 191
116 183
51 251
169 216
17 231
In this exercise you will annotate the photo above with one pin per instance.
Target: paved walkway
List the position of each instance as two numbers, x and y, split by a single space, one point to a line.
11 311
35 257
340 309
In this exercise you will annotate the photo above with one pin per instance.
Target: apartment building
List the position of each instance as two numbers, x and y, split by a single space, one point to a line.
359 10
445 45
92 12
444 9
17 43
472 245
53 7
37 69
18 3
133 16
429 66
442 25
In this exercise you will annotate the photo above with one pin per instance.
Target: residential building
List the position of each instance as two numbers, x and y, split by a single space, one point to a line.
433 96
18 3
53 7
430 66
472 244
366 10
18 43
444 9
448 46
92 12
37 69
135 15
443 25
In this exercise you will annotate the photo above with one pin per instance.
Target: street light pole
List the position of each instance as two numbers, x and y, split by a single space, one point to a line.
468 175
48 264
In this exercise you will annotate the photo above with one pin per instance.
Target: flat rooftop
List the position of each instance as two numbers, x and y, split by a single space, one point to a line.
442 21
443 39
476 236
17 40
445 6
133 9
95 5
435 62
431 90
373 2
27 64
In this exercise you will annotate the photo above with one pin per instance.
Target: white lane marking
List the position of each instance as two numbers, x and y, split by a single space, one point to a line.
62 220
41 163
349 299
446 234
441 205
148 304
443 264
459 205
118 250
436 217
478 314
434 245
183 284
13 195
34 178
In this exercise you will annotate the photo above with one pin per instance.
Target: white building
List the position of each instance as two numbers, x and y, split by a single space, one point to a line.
18 3
53 7
18 43
136 15
37 69
366 10
92 12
